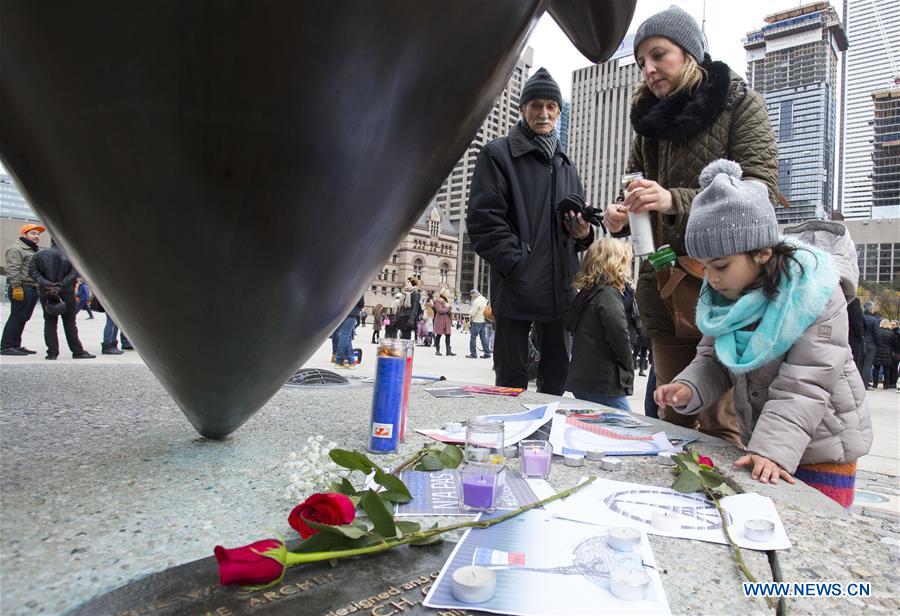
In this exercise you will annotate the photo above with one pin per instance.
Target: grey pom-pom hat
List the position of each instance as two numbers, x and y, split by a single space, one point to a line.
676 25
729 215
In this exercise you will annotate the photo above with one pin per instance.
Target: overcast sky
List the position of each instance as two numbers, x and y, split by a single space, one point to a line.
727 22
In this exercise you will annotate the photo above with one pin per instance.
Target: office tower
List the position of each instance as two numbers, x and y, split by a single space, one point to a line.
886 153
600 132
12 203
453 195
871 64
563 125
793 62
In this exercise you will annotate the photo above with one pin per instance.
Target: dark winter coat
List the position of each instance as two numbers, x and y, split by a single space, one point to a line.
513 224
884 347
601 351
872 325
857 331
52 268
676 138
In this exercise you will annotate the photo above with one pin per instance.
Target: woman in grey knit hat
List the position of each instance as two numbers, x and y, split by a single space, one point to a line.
688 111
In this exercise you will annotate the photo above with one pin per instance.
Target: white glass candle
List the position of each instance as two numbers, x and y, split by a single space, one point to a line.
628 584
474 584
759 530
610 464
623 538
665 520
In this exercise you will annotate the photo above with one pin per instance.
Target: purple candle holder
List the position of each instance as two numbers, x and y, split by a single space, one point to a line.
535 458
480 486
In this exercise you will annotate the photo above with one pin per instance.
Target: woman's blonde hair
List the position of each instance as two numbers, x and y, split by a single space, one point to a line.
691 76
607 260
885 324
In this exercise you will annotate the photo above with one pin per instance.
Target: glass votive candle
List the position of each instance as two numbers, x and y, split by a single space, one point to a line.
484 441
480 486
534 458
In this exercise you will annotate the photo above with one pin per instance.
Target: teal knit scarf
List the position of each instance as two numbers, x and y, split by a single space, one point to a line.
754 330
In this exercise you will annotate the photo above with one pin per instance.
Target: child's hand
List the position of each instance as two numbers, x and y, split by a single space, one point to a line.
764 469
673 394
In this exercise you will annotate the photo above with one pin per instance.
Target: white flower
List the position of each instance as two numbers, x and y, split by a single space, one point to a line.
311 470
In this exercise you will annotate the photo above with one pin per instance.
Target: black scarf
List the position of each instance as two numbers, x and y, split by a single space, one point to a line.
546 143
29 243
681 116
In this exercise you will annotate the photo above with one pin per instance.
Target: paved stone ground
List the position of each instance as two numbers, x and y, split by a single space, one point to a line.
884 405
103 480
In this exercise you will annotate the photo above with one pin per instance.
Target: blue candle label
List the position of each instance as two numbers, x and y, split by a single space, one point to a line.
382 430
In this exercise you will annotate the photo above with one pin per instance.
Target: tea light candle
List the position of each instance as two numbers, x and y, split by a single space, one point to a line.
628 584
623 539
574 459
477 454
474 584
666 458
595 456
453 426
664 520
759 530
511 452
610 464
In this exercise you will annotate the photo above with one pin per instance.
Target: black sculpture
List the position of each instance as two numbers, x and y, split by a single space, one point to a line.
231 174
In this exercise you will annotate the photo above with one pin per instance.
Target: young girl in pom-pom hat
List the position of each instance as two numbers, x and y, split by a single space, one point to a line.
773 313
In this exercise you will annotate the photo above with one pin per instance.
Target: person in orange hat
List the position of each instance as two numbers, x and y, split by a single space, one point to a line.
21 289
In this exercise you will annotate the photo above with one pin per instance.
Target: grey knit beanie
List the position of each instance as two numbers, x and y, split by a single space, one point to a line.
676 25
729 216
540 85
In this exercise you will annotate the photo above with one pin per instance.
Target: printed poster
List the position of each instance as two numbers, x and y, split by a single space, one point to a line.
517 426
547 566
573 435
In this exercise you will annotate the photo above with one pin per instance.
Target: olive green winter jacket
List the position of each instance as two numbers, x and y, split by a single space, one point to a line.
676 138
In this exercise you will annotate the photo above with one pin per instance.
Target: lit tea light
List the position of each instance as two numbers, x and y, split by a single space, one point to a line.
759 530
453 426
573 459
665 520
628 584
474 584
595 456
610 464
623 539
666 458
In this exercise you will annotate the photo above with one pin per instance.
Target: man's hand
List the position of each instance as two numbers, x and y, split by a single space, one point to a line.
764 469
577 226
647 195
614 217
17 294
673 394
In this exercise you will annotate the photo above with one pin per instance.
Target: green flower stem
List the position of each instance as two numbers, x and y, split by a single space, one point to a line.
294 558
738 554
414 459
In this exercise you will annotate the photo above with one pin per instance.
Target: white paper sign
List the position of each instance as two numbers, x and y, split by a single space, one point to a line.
572 435
663 511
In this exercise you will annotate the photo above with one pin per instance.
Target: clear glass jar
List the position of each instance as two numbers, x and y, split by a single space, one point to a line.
484 441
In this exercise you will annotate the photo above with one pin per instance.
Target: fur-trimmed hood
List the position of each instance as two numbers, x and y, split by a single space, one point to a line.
683 115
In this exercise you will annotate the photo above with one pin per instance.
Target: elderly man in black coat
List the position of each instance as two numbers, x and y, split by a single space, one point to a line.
532 250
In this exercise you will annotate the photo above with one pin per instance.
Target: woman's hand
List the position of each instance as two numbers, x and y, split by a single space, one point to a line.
764 469
647 195
614 217
673 394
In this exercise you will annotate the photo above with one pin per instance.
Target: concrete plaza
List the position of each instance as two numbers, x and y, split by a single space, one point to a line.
884 406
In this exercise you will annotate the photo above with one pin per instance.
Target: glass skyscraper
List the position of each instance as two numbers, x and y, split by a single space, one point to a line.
793 62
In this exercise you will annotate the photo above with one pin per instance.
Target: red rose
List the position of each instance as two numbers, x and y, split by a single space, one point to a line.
330 508
248 565
705 460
